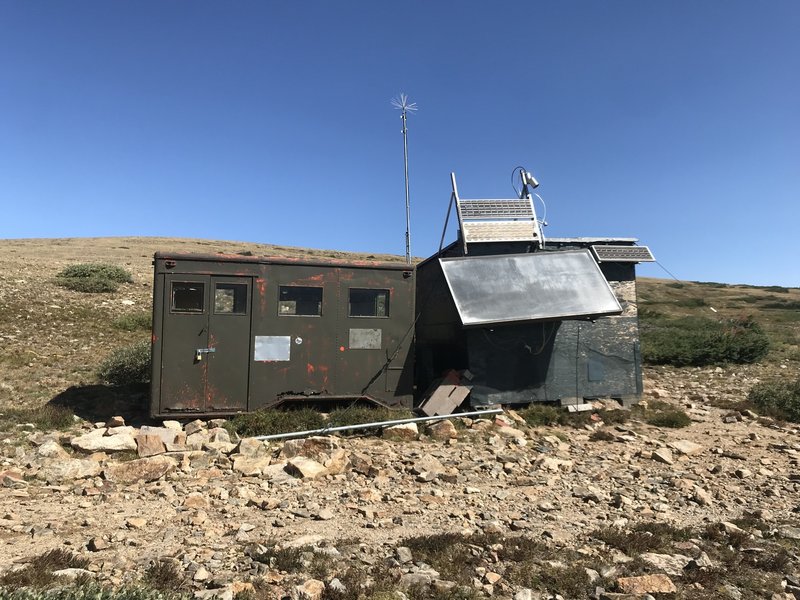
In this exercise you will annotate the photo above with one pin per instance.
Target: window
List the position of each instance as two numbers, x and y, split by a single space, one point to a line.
230 299
187 297
300 301
369 303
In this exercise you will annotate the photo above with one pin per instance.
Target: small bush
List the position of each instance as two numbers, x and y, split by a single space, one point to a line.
134 322
360 415
95 278
537 415
643 537
271 422
779 399
127 366
282 559
39 571
165 575
674 419
97 271
88 286
698 341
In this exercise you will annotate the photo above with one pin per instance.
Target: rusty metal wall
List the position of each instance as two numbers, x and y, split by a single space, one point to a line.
222 361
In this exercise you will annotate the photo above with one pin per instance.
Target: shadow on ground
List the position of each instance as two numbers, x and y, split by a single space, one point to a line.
101 402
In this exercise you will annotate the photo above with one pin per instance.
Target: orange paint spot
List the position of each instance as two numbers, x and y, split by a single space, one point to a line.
341 348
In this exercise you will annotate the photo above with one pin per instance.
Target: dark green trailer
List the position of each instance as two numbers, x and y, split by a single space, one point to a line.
234 333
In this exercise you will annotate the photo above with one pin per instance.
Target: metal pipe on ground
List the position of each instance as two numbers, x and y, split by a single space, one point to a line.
324 430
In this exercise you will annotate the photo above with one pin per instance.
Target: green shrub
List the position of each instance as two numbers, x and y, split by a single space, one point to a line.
698 341
537 415
780 399
89 590
133 322
358 415
272 422
127 366
643 537
674 419
97 271
93 278
165 575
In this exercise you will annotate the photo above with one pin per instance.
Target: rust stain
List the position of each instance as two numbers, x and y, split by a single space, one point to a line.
310 369
153 339
261 286
324 370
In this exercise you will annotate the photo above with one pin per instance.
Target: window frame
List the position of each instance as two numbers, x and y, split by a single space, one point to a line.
388 293
301 287
232 313
183 311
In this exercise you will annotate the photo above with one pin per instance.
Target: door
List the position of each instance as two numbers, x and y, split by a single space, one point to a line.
205 343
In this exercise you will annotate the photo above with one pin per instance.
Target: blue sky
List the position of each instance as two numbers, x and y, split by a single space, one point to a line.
675 122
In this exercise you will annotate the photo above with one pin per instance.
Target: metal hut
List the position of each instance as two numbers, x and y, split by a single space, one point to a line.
237 333
527 320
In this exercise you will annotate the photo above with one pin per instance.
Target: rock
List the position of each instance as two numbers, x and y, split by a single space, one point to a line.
174 425
116 421
194 427
51 449
143 469
148 444
69 470
686 447
219 434
743 473
311 589
442 430
789 532
96 544
325 514
671 564
316 447
664 455
201 574
403 554
702 497
251 466
72 574
11 478
135 523
253 448
647 584
97 441
338 462
305 467
401 433
549 463
510 432
195 500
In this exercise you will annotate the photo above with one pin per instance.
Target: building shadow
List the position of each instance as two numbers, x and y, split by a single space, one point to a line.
98 402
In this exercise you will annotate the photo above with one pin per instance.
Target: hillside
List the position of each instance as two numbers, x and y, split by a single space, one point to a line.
54 338
518 506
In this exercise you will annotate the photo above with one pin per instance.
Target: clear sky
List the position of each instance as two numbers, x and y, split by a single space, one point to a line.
676 122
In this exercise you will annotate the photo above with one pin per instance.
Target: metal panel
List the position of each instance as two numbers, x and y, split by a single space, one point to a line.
609 253
365 339
499 231
496 209
272 348
528 287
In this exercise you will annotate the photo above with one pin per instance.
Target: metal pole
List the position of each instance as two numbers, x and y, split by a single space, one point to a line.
408 204
279 436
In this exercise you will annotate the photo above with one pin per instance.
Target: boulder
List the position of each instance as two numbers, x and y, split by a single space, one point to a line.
401 433
143 469
306 468
69 469
97 441
647 584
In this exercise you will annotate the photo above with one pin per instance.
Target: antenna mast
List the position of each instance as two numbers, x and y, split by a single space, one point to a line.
404 106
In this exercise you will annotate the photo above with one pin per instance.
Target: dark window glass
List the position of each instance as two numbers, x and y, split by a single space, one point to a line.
230 298
300 301
369 303
187 297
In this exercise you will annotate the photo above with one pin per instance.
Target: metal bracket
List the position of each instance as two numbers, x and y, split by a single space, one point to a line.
200 351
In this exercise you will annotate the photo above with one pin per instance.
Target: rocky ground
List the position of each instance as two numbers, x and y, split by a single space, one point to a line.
216 507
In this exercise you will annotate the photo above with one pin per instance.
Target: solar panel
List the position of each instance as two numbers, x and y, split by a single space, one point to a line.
497 220
609 253
541 286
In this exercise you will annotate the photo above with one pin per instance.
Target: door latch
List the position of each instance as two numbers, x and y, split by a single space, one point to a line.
201 351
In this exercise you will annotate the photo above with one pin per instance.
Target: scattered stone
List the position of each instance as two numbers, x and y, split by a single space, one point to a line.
305 468
148 444
401 433
143 469
97 441
312 589
442 430
671 564
96 544
194 427
686 447
647 584
664 455
69 469
136 523
116 421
